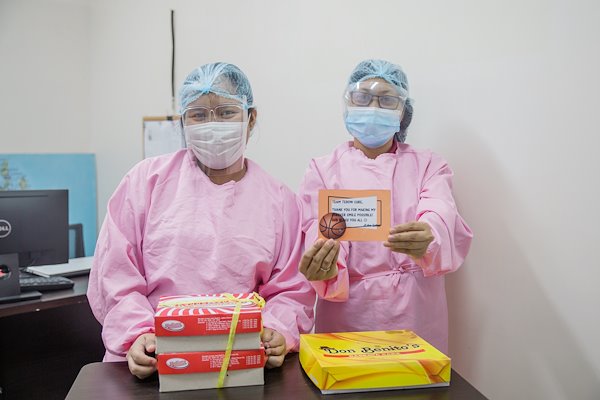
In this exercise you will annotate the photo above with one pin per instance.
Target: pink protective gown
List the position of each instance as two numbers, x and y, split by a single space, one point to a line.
377 289
169 231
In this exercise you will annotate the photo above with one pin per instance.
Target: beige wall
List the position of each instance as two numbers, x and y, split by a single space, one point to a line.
507 91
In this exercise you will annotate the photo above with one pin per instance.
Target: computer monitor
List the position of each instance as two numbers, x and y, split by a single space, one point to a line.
35 225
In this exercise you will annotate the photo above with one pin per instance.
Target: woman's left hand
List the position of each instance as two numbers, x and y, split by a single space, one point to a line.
411 239
274 344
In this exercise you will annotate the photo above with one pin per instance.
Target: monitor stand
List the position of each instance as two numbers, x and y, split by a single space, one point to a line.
10 290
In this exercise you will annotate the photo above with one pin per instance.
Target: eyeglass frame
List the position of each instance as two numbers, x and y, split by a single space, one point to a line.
211 110
401 100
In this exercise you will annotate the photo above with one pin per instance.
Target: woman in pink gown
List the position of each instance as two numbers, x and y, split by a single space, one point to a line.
199 221
398 284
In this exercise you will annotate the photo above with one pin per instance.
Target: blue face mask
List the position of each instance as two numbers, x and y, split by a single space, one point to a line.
372 126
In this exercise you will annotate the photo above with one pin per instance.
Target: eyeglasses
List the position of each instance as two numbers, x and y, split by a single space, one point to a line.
363 99
221 113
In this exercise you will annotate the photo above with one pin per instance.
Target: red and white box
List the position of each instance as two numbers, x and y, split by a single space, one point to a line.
202 323
200 370
192 336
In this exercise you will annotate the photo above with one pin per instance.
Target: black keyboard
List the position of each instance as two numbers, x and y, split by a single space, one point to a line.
30 282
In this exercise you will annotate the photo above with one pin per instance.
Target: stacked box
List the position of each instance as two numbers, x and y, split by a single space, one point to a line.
366 361
192 338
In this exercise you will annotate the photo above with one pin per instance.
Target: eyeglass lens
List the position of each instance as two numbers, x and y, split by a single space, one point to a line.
363 99
222 113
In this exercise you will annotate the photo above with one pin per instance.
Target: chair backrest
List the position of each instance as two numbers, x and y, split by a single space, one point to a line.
76 249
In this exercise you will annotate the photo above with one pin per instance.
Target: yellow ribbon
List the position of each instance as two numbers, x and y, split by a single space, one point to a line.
256 300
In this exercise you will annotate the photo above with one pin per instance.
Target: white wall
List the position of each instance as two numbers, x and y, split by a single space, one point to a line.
507 91
44 76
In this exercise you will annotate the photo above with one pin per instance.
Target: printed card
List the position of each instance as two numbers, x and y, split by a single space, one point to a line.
358 215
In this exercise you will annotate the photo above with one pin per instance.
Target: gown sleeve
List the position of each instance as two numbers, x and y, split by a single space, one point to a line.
289 298
117 290
452 236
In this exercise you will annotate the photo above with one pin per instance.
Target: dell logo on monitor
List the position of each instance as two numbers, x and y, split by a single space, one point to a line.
4 228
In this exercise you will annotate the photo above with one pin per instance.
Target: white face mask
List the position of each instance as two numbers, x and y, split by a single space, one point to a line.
217 144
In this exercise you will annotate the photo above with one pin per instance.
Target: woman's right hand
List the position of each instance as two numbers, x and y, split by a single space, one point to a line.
319 263
141 363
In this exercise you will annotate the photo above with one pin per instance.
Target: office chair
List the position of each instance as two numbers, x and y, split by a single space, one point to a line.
76 241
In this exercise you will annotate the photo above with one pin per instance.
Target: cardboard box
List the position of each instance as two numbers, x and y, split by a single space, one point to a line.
200 370
192 336
376 360
182 344
206 315
203 322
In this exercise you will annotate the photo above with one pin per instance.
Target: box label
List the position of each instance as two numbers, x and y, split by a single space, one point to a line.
208 361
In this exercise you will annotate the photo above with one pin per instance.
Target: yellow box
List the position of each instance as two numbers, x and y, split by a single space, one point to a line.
367 361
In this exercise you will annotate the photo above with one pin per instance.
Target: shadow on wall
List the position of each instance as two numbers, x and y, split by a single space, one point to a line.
506 337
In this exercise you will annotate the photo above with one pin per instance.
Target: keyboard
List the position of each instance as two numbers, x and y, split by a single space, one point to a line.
31 282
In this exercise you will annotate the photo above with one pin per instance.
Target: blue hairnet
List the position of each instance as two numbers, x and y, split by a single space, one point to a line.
222 79
392 74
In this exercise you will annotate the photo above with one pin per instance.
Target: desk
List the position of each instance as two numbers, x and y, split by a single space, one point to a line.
53 299
45 342
114 381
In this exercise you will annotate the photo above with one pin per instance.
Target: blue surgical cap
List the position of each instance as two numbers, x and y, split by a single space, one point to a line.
391 73
222 79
